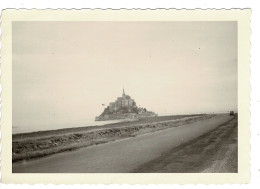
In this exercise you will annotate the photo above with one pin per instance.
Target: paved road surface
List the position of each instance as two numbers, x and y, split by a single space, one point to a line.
123 155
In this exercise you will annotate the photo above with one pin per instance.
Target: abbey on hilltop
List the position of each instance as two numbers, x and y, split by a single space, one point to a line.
124 108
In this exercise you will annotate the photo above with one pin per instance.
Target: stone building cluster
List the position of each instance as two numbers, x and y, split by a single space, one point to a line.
124 101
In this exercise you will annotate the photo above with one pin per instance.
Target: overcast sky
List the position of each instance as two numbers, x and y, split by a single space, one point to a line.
64 71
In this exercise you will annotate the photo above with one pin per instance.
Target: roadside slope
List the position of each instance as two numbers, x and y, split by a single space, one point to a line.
38 147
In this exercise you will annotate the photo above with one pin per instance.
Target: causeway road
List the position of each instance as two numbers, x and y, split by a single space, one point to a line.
121 156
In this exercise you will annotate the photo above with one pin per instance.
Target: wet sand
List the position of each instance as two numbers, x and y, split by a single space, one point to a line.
121 156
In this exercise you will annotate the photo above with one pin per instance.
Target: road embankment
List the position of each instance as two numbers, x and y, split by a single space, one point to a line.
26 148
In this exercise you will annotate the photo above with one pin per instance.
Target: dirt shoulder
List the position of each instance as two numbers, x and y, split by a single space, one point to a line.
215 151
26 148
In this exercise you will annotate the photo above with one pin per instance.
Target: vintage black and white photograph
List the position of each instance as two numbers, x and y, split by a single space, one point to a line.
124 97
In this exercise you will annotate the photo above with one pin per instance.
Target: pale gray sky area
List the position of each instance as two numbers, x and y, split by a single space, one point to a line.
64 71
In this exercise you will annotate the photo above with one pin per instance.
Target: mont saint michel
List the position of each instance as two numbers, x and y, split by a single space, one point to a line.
124 107
155 96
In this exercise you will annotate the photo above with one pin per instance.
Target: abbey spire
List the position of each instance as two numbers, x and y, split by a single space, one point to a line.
123 92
